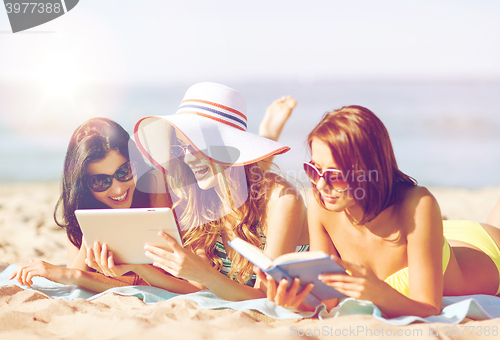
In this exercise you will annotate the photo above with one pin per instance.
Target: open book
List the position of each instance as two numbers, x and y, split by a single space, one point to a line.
304 265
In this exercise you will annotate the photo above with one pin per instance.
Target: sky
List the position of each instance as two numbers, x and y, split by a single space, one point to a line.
90 61
132 41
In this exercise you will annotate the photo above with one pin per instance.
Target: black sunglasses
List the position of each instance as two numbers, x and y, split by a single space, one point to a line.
101 182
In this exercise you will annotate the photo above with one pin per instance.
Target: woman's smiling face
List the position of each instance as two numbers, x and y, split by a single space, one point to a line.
321 157
200 165
119 194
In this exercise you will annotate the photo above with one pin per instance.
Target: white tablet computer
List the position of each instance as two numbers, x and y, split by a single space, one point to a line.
126 231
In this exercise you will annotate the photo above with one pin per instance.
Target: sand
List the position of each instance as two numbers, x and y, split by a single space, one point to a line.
27 231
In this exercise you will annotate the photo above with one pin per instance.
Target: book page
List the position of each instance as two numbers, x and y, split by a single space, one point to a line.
295 257
251 253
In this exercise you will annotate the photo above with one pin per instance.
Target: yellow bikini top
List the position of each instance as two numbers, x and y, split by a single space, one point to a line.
400 280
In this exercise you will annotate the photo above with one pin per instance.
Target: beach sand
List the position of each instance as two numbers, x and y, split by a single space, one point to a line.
27 231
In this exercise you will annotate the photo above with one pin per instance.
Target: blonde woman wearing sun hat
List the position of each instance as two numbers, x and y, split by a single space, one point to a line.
216 174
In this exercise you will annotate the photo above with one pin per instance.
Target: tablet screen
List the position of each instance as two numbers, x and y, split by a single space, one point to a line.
126 231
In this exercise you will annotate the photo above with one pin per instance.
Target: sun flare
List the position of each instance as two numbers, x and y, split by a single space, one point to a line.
61 74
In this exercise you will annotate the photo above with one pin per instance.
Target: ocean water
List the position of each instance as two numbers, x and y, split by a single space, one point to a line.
444 133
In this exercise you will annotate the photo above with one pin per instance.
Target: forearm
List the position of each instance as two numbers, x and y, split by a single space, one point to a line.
331 303
157 278
394 304
230 290
95 282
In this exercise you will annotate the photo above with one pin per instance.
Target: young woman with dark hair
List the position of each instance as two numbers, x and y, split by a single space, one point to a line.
381 227
90 144
100 172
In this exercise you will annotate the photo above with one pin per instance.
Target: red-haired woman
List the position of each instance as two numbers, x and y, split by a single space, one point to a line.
386 231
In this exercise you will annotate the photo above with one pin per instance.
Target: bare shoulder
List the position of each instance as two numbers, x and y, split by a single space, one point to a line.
284 205
418 198
281 190
284 219
421 209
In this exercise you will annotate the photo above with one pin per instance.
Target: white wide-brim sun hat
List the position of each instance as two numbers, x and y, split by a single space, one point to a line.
213 118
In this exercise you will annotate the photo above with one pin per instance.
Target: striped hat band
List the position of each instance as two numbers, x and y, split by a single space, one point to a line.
217 112
213 119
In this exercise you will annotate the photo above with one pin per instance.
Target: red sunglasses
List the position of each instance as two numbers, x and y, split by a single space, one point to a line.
332 177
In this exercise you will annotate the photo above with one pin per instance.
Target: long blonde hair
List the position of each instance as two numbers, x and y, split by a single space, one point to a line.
204 213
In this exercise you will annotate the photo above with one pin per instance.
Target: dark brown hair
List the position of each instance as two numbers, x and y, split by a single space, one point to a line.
90 142
362 149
